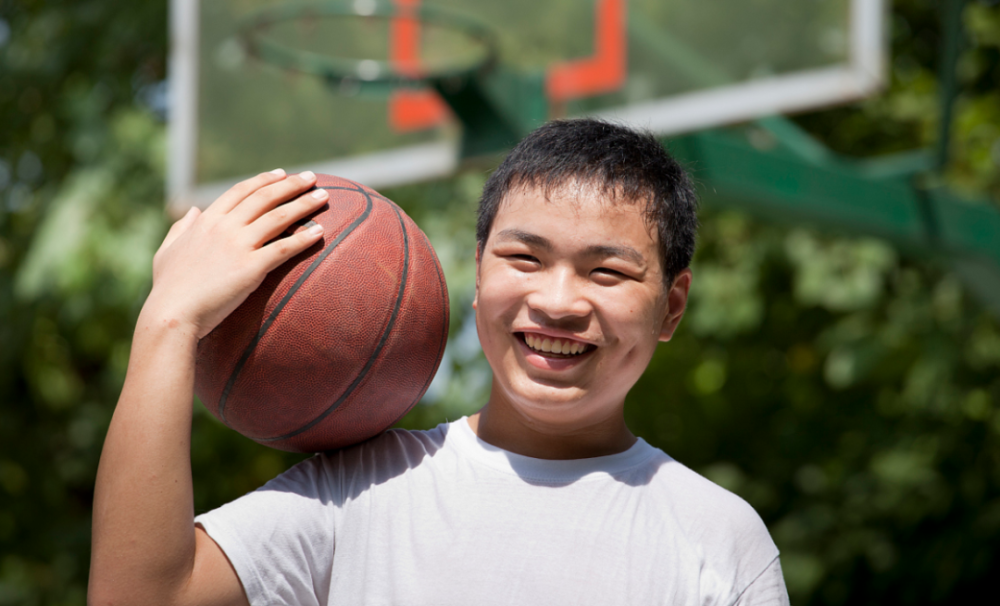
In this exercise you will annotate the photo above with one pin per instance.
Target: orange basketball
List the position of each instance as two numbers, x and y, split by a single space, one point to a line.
339 342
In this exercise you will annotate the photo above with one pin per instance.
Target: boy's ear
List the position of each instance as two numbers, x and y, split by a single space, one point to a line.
475 299
677 298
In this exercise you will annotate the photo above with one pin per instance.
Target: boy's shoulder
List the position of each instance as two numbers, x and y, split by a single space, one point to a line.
698 503
375 461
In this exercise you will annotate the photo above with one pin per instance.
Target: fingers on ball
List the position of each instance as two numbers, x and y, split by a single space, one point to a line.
276 221
242 190
270 196
283 249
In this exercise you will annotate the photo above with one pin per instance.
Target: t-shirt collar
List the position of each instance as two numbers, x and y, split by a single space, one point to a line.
545 470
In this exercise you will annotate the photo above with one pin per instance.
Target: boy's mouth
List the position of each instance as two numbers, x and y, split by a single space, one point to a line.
555 348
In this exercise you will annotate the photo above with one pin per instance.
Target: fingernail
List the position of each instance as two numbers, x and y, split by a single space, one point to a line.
308 175
315 230
319 194
278 171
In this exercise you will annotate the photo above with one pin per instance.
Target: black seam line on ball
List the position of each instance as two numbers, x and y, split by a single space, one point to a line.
444 298
444 330
291 292
378 348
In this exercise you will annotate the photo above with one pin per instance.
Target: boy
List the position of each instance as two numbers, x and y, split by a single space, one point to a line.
544 496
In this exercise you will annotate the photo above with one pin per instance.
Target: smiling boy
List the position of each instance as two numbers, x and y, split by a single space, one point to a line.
542 497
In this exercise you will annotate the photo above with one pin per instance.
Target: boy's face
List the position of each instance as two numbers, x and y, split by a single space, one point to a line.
582 274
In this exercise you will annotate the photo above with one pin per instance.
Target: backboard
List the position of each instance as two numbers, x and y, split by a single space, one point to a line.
336 86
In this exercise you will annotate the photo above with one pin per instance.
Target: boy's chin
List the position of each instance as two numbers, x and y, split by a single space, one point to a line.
550 402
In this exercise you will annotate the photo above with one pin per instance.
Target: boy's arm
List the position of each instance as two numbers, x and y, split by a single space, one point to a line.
146 549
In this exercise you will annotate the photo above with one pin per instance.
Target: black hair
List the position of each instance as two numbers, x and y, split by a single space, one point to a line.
626 165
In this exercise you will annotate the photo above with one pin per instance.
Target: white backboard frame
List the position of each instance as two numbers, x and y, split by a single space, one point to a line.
864 75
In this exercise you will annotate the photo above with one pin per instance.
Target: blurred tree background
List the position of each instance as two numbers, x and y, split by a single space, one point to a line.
850 394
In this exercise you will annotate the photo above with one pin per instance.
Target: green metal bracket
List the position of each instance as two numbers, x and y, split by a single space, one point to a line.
785 188
520 97
496 108
796 140
853 198
485 129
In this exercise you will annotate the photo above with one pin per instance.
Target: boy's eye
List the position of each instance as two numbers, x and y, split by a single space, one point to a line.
522 262
608 276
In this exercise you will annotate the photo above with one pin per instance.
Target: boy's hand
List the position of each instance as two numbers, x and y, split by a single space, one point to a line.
211 261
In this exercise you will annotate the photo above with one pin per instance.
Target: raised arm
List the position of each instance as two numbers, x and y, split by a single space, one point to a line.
145 546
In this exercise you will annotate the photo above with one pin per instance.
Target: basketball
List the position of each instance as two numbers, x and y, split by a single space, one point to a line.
338 343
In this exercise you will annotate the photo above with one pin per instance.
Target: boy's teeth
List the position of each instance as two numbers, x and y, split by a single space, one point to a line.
557 346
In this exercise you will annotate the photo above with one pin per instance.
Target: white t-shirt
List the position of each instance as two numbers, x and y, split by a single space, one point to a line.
440 517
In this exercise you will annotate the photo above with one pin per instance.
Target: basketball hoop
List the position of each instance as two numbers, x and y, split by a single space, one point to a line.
368 77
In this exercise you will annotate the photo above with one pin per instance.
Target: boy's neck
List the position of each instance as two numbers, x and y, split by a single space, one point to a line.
512 433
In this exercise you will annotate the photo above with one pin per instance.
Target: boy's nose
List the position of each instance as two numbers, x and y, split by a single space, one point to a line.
560 296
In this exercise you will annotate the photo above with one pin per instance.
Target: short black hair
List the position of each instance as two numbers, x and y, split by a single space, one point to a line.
627 165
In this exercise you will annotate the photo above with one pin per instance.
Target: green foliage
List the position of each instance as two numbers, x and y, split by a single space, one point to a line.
848 393
80 200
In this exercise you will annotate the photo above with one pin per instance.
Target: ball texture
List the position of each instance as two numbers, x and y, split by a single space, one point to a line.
339 342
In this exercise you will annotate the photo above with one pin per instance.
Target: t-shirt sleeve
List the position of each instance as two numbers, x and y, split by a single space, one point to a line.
280 538
740 560
768 589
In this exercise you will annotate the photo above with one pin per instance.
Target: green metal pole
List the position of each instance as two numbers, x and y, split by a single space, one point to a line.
951 46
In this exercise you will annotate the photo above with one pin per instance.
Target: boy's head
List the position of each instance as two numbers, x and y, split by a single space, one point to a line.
585 233
626 166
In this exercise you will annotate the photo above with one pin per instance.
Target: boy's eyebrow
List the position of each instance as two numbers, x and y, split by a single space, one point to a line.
525 237
622 252
597 250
